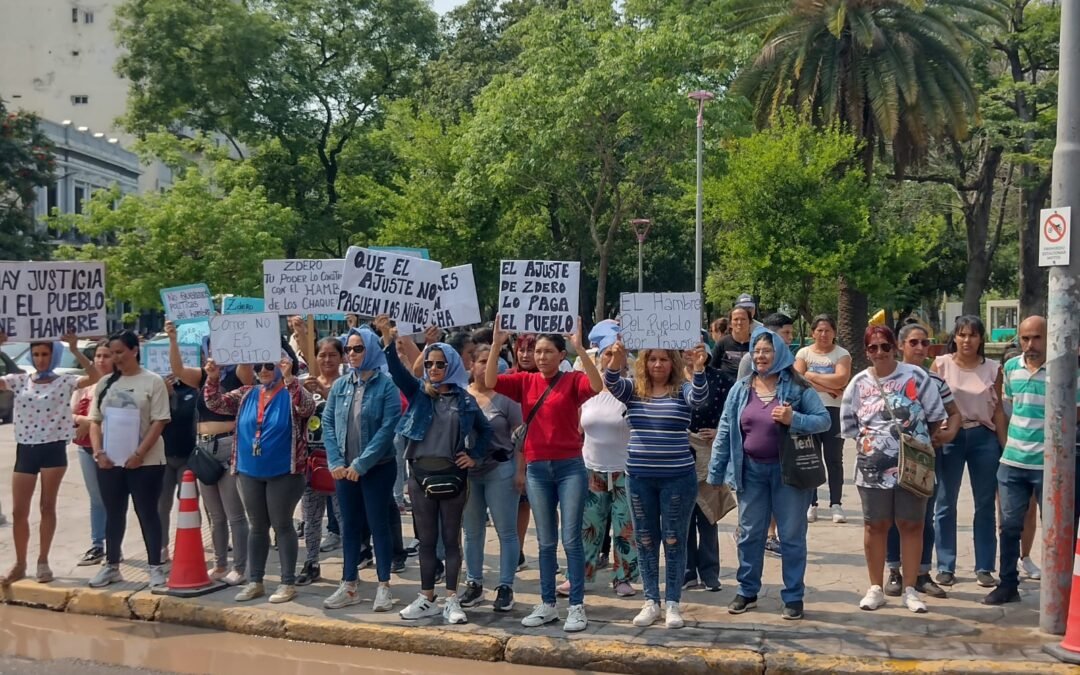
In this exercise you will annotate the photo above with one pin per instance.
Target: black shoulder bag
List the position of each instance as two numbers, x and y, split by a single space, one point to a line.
801 463
517 439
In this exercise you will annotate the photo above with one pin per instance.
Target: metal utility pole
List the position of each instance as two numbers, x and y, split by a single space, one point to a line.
1063 329
701 97
641 229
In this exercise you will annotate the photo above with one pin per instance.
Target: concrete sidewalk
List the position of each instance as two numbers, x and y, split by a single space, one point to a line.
957 635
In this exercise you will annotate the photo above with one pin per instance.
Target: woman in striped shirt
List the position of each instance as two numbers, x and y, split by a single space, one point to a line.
662 477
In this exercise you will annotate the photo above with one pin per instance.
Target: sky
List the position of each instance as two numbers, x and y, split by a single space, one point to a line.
444 6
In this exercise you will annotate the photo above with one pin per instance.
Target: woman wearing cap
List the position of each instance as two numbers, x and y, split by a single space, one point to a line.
42 431
271 462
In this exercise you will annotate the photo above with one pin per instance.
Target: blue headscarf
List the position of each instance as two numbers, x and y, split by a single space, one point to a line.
57 354
374 358
783 358
604 334
455 370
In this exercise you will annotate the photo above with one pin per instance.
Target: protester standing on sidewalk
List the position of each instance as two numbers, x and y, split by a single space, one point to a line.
556 478
215 437
975 382
179 437
43 429
879 404
731 348
133 405
760 409
827 367
271 462
80 406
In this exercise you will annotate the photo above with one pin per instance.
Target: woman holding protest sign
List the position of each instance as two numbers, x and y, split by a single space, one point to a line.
556 478
215 435
43 429
270 458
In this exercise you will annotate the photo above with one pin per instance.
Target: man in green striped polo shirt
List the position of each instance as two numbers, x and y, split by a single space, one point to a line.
1020 473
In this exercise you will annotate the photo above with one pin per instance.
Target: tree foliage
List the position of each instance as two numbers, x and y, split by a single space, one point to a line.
26 164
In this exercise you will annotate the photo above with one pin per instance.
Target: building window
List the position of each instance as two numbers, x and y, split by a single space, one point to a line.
75 52
80 195
88 17
52 198
80 99
74 15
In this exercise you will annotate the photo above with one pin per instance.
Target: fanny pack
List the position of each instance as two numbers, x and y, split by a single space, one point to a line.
439 477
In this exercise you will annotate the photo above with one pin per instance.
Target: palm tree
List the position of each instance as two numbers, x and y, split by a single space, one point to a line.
892 71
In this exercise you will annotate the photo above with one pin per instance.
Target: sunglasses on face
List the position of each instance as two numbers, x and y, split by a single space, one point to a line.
259 367
437 365
916 342
355 349
885 348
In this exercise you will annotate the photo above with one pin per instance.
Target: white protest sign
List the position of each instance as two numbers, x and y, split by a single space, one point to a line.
245 338
660 320
45 300
1055 236
381 282
457 304
155 357
184 304
301 286
538 296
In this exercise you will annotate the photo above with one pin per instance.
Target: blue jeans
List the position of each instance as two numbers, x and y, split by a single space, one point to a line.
495 491
977 447
365 506
557 488
892 552
763 496
97 506
661 509
1015 488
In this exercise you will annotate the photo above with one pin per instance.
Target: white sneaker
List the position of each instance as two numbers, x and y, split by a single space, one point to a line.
648 615
874 598
344 596
108 574
384 601
674 616
234 578
1030 568
283 593
540 615
575 619
421 608
811 514
250 592
838 513
452 611
913 602
157 576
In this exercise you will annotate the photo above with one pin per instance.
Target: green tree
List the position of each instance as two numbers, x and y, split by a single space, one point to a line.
26 164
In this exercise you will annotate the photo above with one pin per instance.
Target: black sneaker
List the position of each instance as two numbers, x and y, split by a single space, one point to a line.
309 574
895 584
1001 595
690 581
712 585
986 579
946 578
473 595
92 557
793 611
521 561
741 604
602 561
504 599
413 549
366 559
398 565
925 585
440 572
772 546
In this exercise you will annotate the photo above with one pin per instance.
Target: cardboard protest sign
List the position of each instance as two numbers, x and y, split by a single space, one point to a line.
184 304
46 300
245 338
538 296
192 333
381 282
301 286
404 250
155 357
660 320
234 304
457 304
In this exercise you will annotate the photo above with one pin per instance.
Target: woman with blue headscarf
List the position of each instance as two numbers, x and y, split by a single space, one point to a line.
445 434
760 408
358 429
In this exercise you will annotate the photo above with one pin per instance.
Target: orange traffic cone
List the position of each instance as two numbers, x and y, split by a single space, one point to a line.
1069 649
188 577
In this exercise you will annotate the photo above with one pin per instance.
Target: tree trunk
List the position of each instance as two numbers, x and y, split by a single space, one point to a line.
852 317
1033 279
977 215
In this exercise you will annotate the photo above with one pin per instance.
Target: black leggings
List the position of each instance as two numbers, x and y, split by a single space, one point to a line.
428 515
832 446
143 485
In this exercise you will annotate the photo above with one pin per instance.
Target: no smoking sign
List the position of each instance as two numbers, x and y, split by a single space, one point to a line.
1055 236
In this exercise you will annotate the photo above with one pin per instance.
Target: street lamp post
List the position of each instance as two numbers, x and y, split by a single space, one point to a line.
641 229
701 97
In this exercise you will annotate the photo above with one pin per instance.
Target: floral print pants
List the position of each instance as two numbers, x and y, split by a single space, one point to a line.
608 502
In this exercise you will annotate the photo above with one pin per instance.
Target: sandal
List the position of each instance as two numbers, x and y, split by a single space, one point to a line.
44 574
14 574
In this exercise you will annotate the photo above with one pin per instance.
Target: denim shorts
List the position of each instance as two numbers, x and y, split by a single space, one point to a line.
892 504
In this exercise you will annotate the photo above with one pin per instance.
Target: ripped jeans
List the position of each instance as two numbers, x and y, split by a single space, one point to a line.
661 510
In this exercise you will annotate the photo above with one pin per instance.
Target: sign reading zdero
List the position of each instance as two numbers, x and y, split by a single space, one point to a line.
538 296
245 338
301 286
45 300
660 320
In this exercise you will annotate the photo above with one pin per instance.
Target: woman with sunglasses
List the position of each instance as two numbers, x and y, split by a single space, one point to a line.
879 404
976 384
215 437
270 458
446 434
827 367
556 478
358 429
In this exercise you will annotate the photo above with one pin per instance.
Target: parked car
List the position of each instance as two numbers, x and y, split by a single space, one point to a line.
68 364
15 349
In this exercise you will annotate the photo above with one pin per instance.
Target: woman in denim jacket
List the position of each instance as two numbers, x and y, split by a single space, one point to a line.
358 430
746 456
443 426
